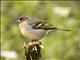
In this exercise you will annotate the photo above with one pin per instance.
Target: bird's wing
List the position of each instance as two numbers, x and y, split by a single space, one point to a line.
42 25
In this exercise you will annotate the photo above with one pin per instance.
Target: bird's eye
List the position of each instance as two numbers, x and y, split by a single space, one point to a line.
23 18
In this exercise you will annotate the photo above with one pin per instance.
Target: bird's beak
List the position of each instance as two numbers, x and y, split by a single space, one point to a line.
18 21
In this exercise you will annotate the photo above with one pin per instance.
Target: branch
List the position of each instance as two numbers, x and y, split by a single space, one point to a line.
33 50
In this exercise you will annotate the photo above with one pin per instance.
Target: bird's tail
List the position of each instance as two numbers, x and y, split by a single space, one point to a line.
63 29
53 28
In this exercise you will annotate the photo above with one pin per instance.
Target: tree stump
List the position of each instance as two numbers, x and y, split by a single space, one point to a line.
33 50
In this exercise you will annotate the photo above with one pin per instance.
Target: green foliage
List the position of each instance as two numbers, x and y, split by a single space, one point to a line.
59 45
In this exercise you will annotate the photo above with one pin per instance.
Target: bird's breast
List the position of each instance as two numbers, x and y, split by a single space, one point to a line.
32 33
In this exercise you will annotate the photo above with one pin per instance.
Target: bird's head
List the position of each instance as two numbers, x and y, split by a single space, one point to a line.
23 18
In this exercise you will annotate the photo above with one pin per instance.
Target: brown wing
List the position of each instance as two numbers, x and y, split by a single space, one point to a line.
46 26
43 25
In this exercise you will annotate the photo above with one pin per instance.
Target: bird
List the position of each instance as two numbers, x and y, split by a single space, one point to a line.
35 29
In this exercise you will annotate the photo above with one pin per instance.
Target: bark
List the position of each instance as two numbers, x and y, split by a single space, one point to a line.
33 50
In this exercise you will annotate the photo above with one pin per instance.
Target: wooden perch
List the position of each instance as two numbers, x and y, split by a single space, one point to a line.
33 50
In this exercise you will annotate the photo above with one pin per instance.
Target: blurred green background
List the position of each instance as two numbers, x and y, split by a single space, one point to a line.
59 45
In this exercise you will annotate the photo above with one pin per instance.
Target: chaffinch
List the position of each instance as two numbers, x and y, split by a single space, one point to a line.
35 29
